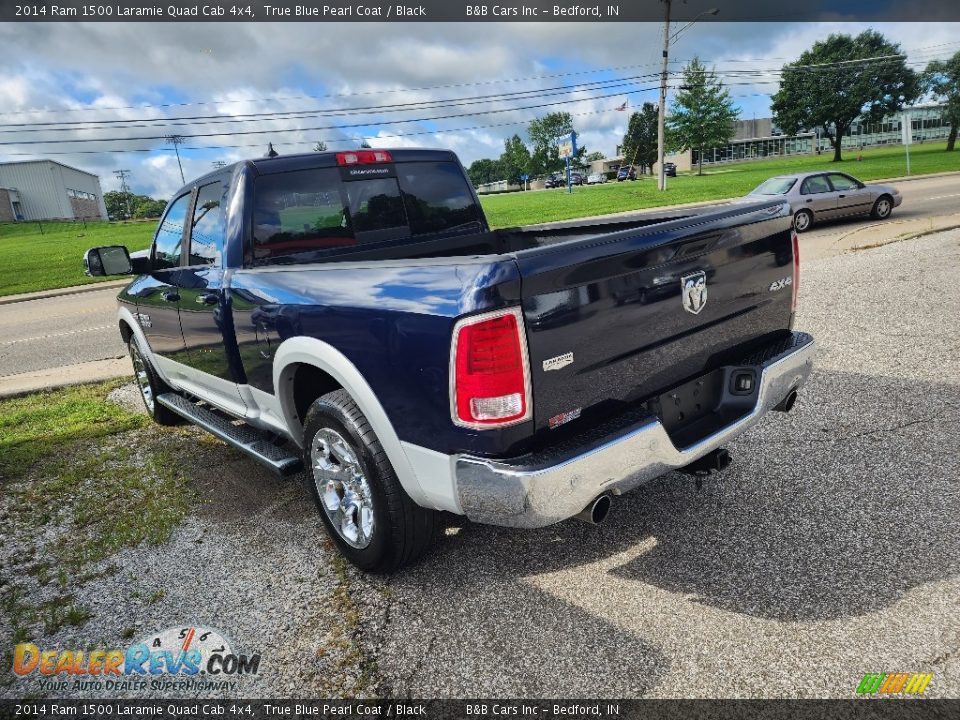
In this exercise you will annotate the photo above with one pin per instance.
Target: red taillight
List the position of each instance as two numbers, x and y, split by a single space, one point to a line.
489 378
795 285
363 157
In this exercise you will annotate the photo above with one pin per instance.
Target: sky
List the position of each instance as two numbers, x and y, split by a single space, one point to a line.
391 85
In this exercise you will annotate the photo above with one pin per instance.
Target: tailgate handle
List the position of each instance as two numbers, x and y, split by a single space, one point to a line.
695 247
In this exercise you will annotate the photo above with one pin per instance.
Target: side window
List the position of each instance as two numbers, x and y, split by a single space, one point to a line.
167 243
842 182
815 184
206 234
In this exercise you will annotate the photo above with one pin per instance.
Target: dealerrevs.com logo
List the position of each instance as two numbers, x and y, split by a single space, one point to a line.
894 683
175 658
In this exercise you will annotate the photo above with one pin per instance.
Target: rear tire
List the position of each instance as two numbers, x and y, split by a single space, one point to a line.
367 513
802 220
150 385
882 208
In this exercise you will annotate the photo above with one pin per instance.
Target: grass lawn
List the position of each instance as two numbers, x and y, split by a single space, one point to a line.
725 181
40 256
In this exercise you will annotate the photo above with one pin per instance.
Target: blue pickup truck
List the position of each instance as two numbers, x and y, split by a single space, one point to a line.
351 315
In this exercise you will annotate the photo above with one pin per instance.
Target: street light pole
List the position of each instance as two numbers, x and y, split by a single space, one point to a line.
661 115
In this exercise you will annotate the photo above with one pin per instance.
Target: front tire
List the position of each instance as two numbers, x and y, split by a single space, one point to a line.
802 220
150 385
882 208
366 511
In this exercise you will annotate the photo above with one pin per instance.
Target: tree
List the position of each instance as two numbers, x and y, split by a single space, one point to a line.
942 78
545 134
702 114
840 79
596 155
320 146
119 204
484 171
364 143
147 207
515 160
640 143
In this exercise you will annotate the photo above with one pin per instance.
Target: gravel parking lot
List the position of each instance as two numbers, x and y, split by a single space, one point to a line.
830 548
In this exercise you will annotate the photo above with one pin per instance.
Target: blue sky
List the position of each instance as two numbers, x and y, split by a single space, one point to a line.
138 73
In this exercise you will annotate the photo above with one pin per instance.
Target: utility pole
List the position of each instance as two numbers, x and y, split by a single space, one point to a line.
177 140
661 115
124 188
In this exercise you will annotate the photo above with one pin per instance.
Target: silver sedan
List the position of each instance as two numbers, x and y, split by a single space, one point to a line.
819 196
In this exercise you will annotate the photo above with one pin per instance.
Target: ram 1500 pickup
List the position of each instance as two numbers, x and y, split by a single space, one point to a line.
352 315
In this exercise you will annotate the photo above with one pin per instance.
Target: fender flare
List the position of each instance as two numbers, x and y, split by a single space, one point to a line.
325 357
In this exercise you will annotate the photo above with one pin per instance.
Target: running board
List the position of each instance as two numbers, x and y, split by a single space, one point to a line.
242 437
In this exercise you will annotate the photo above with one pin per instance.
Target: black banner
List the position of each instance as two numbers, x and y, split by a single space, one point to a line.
555 11
872 709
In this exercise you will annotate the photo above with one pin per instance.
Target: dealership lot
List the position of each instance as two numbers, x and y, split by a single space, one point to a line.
827 550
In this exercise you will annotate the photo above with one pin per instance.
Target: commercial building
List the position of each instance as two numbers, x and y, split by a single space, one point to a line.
49 190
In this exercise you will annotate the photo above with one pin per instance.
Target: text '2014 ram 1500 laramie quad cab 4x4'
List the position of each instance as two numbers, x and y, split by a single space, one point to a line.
352 315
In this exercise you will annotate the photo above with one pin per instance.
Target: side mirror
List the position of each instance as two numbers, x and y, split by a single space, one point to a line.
105 261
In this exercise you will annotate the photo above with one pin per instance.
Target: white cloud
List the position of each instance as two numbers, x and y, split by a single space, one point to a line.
238 69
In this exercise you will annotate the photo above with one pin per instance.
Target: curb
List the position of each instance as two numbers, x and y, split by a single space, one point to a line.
12 386
902 238
60 292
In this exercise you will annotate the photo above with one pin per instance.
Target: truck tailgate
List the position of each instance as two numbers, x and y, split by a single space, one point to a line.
622 317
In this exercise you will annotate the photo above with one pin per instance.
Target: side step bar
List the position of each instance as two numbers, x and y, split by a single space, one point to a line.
242 437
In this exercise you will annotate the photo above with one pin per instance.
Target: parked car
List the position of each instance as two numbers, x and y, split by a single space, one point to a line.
817 196
352 315
555 180
597 178
670 169
577 178
626 172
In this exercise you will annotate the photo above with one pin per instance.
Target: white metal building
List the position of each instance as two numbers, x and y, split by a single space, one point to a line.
49 190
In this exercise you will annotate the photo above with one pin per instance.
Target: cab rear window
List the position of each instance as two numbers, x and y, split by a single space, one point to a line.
319 210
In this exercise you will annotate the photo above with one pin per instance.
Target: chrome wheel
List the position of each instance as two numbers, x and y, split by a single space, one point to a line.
342 487
883 208
141 375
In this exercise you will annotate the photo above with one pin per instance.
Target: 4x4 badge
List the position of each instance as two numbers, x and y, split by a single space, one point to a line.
693 291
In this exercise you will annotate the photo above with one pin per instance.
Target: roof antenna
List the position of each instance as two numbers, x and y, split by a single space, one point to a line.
270 151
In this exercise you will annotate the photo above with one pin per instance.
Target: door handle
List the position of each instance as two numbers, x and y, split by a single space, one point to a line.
170 295
207 299
809 199
843 196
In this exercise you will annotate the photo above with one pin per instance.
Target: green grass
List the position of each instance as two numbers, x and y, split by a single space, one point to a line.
717 183
45 255
82 479
33 260
35 426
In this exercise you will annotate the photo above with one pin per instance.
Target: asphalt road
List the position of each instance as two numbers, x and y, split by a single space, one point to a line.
51 333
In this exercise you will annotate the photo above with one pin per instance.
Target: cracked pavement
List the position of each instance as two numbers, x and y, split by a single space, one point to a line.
827 550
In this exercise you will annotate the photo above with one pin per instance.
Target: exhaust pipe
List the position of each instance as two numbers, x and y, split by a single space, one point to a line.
596 512
786 405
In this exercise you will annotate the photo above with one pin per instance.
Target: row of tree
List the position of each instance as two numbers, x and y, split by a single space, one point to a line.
833 84
123 205
540 157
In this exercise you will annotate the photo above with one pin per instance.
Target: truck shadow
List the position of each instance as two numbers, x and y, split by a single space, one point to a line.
835 510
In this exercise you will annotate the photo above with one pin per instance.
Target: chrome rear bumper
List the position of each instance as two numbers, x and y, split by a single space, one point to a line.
532 492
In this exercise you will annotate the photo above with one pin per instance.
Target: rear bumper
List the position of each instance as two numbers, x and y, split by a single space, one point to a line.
537 491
